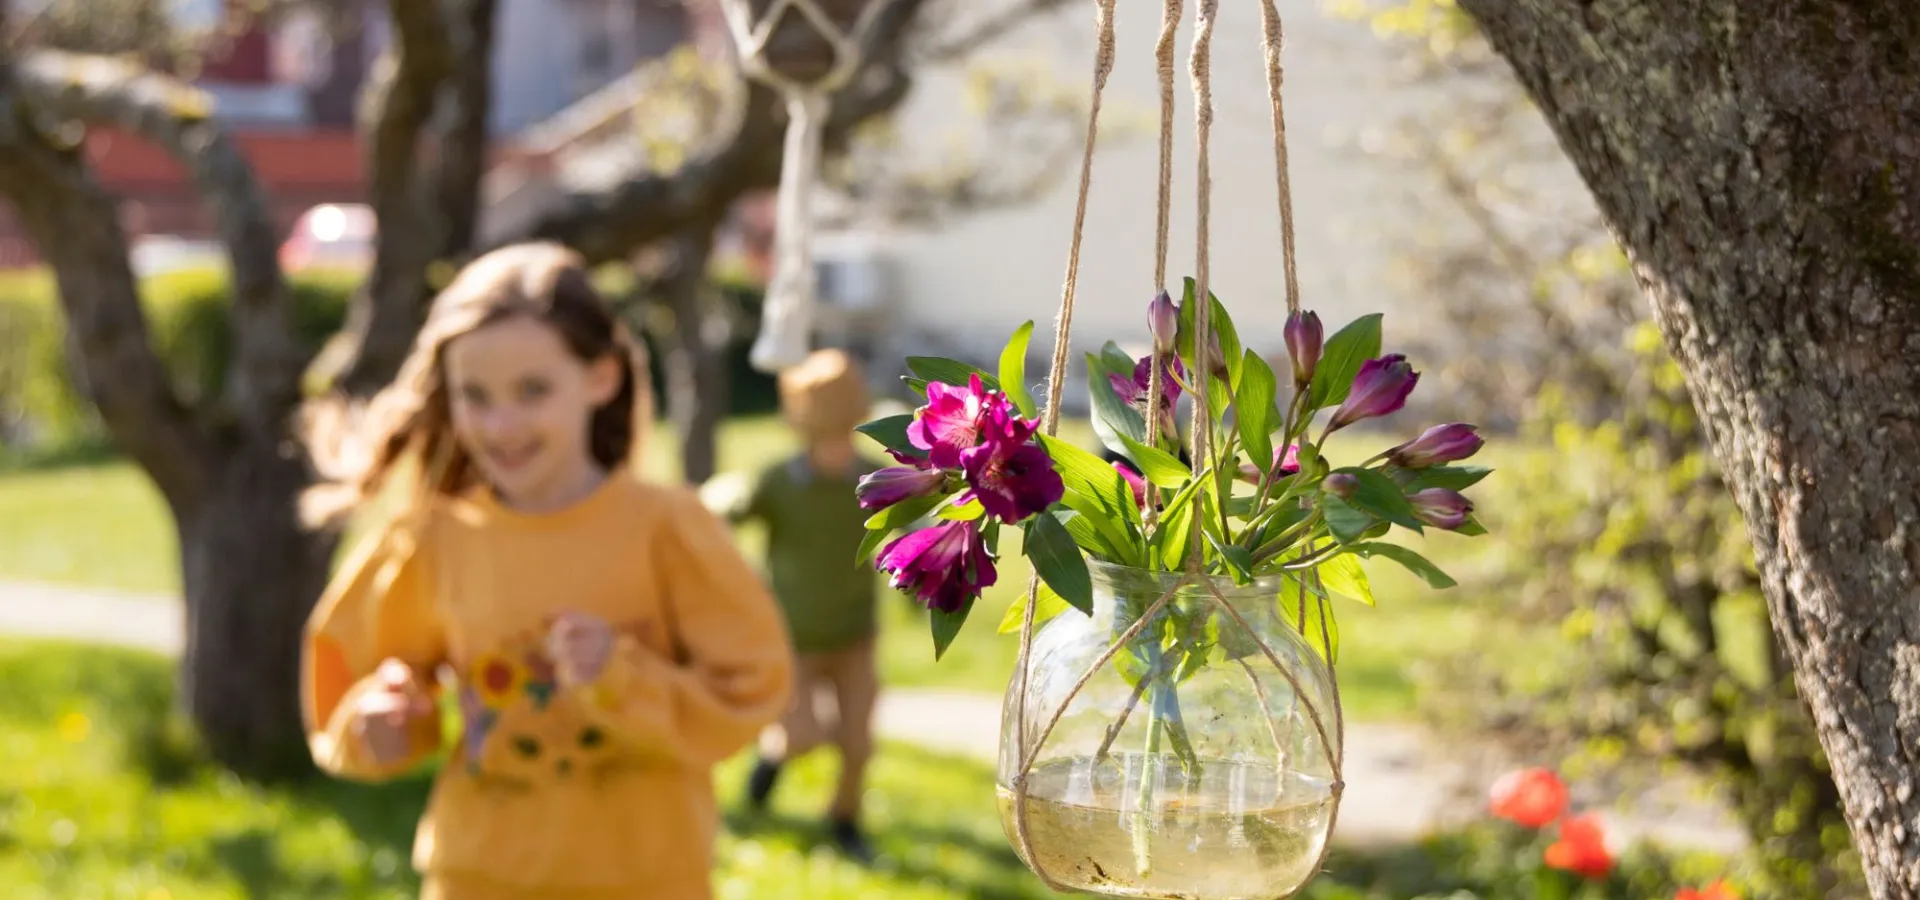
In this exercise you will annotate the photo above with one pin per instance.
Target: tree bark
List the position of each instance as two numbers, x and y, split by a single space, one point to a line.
252 573
696 366
1760 162
227 470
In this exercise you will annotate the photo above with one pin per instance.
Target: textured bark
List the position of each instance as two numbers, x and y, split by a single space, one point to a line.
612 225
400 98
1760 161
696 366
251 573
226 470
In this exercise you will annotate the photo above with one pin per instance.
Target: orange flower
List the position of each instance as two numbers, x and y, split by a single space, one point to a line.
1529 797
1719 890
497 678
1582 848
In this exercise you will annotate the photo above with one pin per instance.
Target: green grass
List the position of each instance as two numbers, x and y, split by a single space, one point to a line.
96 800
102 524
101 797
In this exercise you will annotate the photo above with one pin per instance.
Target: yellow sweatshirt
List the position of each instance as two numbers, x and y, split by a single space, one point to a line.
605 786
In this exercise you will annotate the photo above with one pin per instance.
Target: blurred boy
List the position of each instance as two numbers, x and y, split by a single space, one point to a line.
814 528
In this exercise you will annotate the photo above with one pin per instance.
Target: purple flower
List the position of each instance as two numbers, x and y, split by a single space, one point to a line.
1163 321
952 419
1437 445
1380 389
1440 507
1304 342
1134 481
885 487
942 566
1133 391
1013 477
1340 484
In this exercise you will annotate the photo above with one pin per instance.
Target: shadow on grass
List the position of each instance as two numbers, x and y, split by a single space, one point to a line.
76 456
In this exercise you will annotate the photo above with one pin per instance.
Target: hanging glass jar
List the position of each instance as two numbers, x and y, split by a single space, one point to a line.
1191 761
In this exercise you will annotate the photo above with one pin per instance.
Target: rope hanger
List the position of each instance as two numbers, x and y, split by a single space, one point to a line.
787 318
1199 65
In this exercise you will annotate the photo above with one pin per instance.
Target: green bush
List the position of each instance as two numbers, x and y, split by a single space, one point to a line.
44 402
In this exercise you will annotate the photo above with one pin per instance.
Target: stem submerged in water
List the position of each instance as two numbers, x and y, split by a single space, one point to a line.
1143 812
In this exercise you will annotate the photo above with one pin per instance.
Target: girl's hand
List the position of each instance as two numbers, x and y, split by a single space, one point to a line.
388 716
580 645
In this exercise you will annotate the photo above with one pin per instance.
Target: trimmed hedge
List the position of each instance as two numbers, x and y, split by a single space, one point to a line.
42 402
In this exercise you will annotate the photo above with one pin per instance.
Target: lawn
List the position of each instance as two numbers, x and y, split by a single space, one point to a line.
100 797
99 523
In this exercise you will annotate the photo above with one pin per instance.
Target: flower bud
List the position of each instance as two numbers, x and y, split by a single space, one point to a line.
1437 445
1440 507
1340 484
1163 320
885 487
1380 389
1304 343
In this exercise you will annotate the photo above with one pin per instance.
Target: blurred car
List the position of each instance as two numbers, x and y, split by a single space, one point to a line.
332 236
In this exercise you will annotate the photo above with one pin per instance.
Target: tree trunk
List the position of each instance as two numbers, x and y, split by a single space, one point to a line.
696 366
1760 162
251 574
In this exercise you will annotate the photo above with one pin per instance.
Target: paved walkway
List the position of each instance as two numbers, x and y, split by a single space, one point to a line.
1400 785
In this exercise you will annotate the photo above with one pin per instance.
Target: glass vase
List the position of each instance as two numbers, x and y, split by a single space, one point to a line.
1197 760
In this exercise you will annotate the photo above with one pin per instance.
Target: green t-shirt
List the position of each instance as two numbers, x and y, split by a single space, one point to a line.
814 528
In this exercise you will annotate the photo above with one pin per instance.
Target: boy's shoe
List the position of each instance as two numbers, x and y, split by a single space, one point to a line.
760 783
848 838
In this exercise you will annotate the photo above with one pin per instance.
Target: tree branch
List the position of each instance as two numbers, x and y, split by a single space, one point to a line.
461 138
76 226
611 225
398 101
265 382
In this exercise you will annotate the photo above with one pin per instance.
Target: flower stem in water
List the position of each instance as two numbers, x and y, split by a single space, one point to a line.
1143 813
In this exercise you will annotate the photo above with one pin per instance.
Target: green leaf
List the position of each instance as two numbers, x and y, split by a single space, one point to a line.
1414 562
1047 605
1113 418
1453 478
891 433
904 513
1219 323
1159 466
1346 523
1175 530
870 545
1057 559
954 372
1343 575
1085 533
946 627
1258 417
1471 528
1089 474
1324 638
1340 361
1013 370
1380 497
1116 359
966 512
1239 560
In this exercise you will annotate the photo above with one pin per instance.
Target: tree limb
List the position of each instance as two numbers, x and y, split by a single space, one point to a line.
397 102
461 136
177 118
611 225
76 226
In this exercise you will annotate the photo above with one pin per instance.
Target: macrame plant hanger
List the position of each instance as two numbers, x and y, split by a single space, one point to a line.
1329 725
786 328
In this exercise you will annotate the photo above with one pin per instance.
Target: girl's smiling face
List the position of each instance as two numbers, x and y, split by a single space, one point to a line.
522 403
